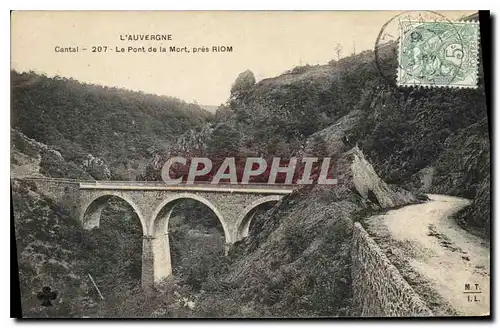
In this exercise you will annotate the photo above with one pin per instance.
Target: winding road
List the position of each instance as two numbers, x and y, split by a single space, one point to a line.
442 252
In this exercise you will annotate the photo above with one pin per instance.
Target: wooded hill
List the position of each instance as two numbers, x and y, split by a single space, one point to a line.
122 127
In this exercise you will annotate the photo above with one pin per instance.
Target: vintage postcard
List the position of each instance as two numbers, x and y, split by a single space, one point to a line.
264 164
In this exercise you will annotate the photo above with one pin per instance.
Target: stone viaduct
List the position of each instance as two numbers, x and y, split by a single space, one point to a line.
153 202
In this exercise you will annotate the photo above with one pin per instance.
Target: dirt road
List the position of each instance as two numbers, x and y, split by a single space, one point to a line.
443 253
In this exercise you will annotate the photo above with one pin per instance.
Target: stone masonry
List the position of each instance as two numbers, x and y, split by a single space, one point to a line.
379 290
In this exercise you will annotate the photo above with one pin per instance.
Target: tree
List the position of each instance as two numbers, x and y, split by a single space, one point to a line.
338 50
224 141
243 83
223 113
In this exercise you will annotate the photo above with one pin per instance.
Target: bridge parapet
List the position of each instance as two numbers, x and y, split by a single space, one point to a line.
207 187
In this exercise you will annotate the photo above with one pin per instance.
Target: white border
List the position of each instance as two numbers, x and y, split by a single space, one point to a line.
198 5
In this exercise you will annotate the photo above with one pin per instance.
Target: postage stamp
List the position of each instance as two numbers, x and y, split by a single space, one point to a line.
438 54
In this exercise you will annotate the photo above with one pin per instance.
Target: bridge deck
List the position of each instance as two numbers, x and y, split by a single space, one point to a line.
160 185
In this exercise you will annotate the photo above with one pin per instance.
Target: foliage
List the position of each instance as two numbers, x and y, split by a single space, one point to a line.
53 250
299 268
244 82
117 125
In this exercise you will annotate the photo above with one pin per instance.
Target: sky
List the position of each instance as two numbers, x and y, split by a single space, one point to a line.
267 43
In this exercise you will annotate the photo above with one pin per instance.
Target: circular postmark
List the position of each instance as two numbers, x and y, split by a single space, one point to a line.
419 48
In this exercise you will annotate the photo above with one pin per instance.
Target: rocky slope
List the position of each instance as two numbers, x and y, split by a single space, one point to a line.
295 261
32 158
427 139
49 254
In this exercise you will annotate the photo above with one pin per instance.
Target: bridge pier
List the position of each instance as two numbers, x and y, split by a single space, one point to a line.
147 276
227 246
161 257
245 226
93 214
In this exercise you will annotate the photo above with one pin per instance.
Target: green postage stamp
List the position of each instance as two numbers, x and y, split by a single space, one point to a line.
438 54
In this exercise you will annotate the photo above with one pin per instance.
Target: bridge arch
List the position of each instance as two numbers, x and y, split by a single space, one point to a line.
90 216
243 223
159 223
158 229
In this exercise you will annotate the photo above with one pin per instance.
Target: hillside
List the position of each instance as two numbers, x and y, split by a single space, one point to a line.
120 127
439 135
296 262
54 250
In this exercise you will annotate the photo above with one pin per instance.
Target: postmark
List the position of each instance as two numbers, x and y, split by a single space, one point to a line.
388 42
438 54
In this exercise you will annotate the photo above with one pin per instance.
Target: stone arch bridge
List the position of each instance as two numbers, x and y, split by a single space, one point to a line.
154 202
